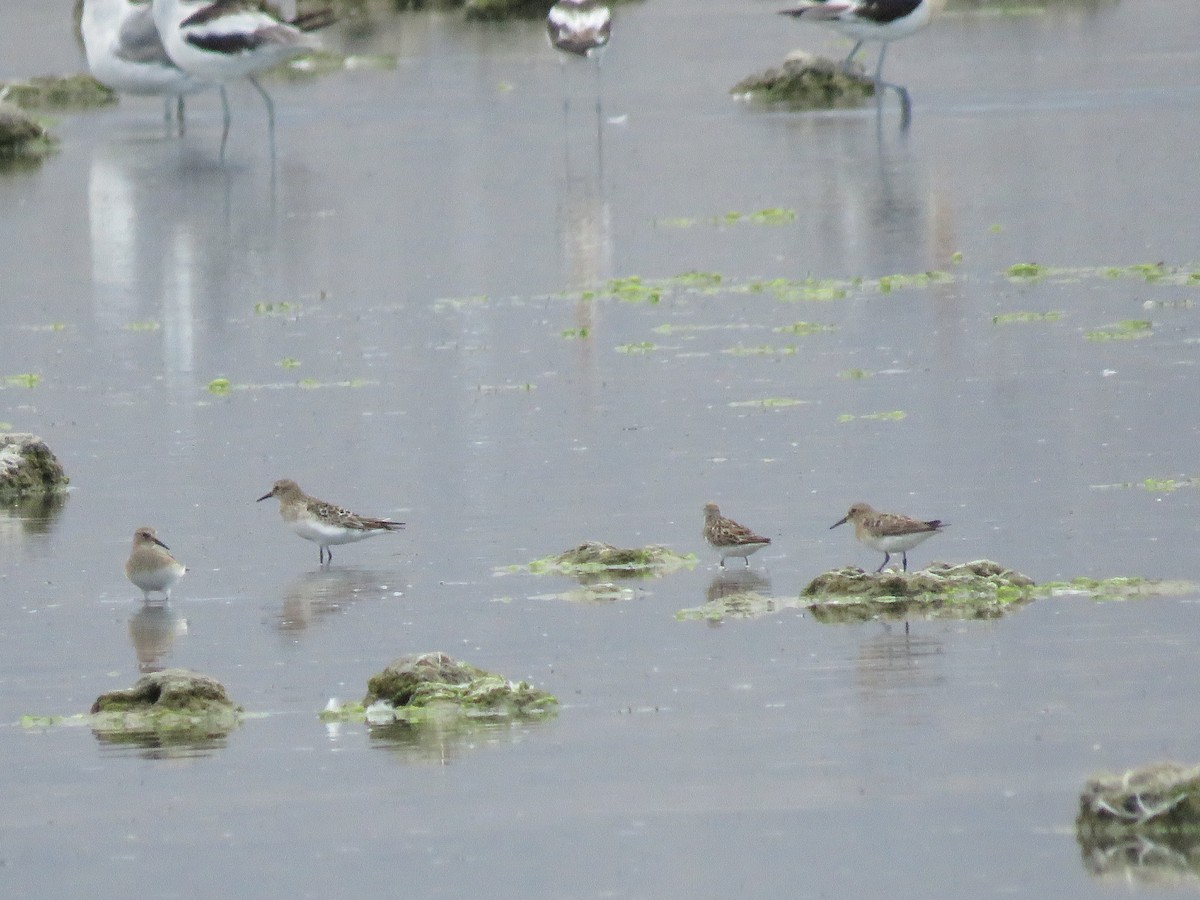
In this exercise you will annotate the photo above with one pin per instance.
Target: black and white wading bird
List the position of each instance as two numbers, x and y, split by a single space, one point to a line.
869 20
222 40
125 53
580 28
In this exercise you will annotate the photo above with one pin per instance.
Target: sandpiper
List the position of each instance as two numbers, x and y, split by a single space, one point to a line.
150 567
222 40
869 20
323 523
124 52
728 537
888 532
581 27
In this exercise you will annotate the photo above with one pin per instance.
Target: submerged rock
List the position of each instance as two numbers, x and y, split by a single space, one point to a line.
27 466
170 700
17 128
597 557
976 590
805 81
426 686
737 605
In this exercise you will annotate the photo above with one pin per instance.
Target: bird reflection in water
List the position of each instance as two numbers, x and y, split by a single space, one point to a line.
153 630
324 592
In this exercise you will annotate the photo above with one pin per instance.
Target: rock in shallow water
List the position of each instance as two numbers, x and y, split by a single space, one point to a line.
28 466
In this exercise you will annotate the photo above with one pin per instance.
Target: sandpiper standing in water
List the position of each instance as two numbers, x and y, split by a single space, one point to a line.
150 566
729 538
323 523
888 532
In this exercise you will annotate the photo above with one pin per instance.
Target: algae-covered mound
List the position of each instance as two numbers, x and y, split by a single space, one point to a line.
974 590
805 81
426 686
60 92
27 466
1143 826
171 700
596 557
1160 796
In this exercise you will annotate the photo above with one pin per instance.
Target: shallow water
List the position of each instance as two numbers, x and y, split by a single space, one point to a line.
396 304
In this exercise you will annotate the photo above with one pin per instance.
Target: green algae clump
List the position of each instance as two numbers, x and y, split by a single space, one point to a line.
597 557
173 700
435 686
59 92
975 590
805 81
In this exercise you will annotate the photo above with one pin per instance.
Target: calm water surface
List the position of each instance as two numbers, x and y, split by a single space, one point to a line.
397 306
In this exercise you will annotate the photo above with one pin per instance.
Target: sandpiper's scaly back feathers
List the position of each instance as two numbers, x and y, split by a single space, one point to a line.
325 524
728 537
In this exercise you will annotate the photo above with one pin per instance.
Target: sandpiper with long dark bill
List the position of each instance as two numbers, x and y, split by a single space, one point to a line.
888 532
323 523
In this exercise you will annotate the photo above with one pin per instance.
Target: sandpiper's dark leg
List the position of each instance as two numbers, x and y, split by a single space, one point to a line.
746 560
904 555
886 556
179 114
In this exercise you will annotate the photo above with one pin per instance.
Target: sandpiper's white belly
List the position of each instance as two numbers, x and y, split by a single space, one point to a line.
328 535
896 543
742 550
160 579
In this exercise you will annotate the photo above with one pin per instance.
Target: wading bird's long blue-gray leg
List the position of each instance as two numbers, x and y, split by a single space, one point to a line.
850 56
270 122
225 120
